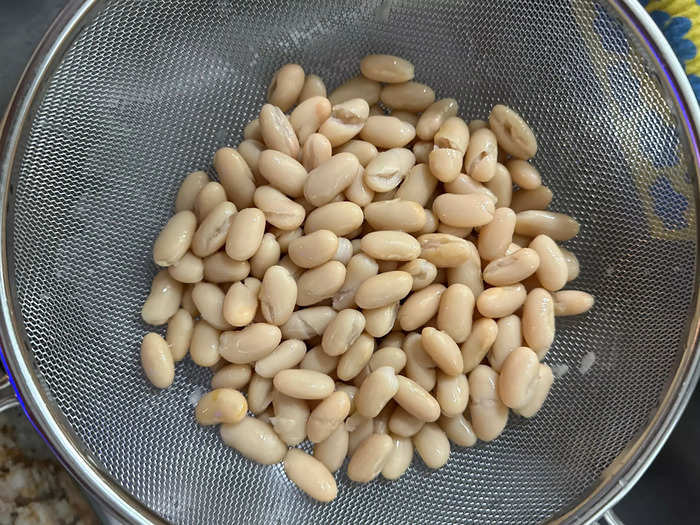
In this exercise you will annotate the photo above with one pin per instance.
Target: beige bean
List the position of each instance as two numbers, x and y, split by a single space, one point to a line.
518 377
376 391
489 414
241 302
390 245
514 135
317 150
508 339
163 300
571 302
465 185
424 376
331 178
524 174
314 249
422 271
250 151
211 195
415 352
286 86
358 191
380 321
254 342
157 360
558 226
328 416
421 149
386 171
204 347
501 186
357 87
399 458
405 116
363 150
452 230
360 268
434 116
259 393
252 130
501 301
277 131
222 405
339 217
455 312
314 86
308 116
420 306
383 289
390 356
287 355
179 334
363 428
342 332
320 283
290 418
418 186
540 391
220 268
416 400
268 255
386 68
344 252
538 321
477 124
189 189
395 214
452 393
468 272
284 237
369 458
395 339
308 322
255 439
355 358
212 232
458 429
445 163
346 120
175 238
310 475
385 131
333 450
572 264
537 199
432 445
453 134
409 96
403 424
316 359
464 211
283 172
245 234
304 384
235 174
279 210
513 268
231 376
552 272
278 295
443 350
496 236
189 269
482 155
477 345
444 250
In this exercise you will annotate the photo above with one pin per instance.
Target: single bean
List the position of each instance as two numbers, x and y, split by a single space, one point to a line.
501 301
359 269
416 400
363 150
314 249
571 302
390 356
363 428
455 312
259 393
277 131
540 389
308 116
313 87
395 214
333 450
405 116
212 232
489 414
390 245
278 295
443 350
255 439
179 334
346 120
245 234
222 405
231 376
211 195
420 307
279 210
399 459
538 321
552 272
421 149
163 301
558 226
383 289
189 189
342 332
537 199
432 445
418 186
310 475
250 151
317 150
501 186
386 68
283 172
189 269
157 361
286 86
512 268
356 358
477 345
204 347
385 131
328 416
482 155
339 217
316 359
524 174
432 119
514 135
369 458
376 391
304 384
468 272
175 238
235 174
495 237
254 342
268 255
508 339
320 283
458 429
344 252
386 171
241 302
518 377
287 355
220 268
357 87
252 130
290 418
452 393
409 96
445 163
454 134
422 271
572 264
308 322
331 178
444 250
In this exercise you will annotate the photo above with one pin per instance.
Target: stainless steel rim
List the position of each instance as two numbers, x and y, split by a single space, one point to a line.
18 359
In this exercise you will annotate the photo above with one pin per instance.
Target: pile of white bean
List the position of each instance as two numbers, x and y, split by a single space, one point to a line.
394 248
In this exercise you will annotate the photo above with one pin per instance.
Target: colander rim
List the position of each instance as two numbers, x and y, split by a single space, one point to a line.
50 422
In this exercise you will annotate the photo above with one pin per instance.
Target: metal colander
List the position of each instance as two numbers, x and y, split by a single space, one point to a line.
124 98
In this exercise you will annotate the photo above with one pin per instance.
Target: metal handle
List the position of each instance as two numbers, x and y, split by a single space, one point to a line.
7 394
610 518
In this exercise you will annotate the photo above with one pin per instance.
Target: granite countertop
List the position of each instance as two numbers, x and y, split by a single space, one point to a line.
667 493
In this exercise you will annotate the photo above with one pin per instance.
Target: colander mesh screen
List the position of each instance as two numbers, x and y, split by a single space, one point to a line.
150 89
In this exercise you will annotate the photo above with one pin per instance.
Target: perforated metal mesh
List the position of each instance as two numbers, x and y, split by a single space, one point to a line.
150 89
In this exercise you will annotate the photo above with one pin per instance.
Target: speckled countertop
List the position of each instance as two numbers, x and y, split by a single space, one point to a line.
667 493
